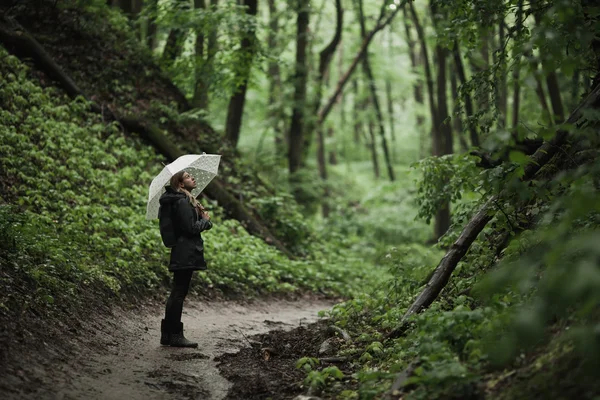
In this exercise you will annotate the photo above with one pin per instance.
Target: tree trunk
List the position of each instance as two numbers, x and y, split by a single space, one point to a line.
388 92
374 98
332 151
502 99
275 91
152 6
517 71
428 73
325 57
373 148
295 151
551 80
235 111
342 98
382 22
200 99
460 70
456 114
356 106
444 140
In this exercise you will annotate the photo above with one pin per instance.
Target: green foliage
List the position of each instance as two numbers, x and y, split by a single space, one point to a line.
83 185
220 66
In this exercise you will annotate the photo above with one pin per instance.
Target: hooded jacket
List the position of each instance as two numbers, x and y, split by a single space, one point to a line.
188 249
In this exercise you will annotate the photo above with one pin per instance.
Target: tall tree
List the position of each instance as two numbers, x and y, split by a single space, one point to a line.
325 57
382 21
235 110
428 72
200 99
374 99
152 12
275 89
174 44
388 90
295 151
468 102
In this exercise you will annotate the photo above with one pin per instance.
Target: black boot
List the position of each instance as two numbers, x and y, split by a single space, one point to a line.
177 338
165 333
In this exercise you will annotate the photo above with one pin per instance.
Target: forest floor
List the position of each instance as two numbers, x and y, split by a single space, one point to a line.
119 356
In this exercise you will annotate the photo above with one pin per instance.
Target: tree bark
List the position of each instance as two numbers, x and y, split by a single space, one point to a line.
444 140
200 99
325 57
175 39
274 74
342 98
295 151
356 106
152 6
502 99
373 148
444 270
517 71
460 70
374 98
428 73
388 93
382 22
456 114
235 110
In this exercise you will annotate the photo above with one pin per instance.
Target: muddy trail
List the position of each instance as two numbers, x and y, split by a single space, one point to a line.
122 359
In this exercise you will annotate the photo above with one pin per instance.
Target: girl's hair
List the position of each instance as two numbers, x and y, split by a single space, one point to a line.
174 183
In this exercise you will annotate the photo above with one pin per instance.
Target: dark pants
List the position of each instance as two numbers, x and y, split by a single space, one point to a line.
181 284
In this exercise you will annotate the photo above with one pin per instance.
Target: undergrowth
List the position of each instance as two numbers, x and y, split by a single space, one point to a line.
73 200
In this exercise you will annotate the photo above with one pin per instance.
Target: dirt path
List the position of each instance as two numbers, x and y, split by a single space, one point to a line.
125 361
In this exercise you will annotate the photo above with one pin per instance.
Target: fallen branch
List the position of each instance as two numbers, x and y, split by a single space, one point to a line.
21 43
460 247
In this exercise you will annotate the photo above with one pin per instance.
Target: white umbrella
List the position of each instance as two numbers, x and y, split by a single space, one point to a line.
203 167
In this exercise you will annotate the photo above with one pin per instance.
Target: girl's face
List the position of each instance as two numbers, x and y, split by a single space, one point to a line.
188 183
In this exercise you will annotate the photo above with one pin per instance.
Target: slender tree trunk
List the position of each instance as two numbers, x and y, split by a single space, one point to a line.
388 92
200 99
152 6
325 57
356 111
374 98
502 101
382 22
275 90
300 79
456 114
517 72
235 111
175 39
342 98
551 80
332 151
460 70
444 133
373 148
428 73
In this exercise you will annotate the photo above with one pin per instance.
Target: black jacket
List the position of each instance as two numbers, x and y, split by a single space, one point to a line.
188 251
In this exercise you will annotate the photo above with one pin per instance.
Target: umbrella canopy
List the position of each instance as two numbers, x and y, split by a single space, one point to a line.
203 167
